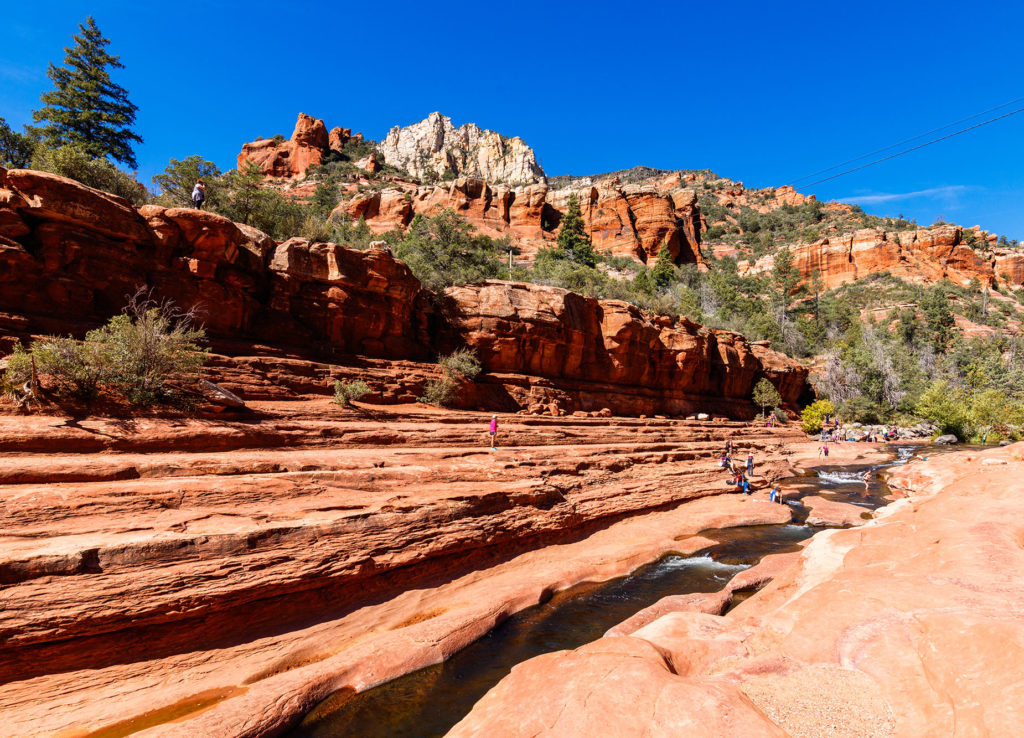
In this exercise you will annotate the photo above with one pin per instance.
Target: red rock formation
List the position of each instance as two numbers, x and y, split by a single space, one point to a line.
81 252
628 220
292 158
252 566
591 347
924 255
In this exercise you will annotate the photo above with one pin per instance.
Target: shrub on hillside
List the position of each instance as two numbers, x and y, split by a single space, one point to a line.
69 161
814 414
445 250
460 364
345 393
440 392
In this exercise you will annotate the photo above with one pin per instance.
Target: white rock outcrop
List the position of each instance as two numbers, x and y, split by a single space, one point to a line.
435 148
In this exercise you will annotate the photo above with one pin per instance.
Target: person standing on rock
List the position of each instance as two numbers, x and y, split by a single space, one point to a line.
728 448
750 464
494 432
199 194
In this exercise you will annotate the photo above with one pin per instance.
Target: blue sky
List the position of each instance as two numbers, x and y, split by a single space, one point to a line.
759 92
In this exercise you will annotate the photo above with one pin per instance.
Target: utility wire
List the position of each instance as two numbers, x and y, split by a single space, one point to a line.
905 141
912 148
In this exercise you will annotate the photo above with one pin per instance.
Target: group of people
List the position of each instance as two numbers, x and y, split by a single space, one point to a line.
741 476
835 436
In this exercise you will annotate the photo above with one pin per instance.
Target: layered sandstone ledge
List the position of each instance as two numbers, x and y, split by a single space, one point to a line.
281 315
910 625
220 577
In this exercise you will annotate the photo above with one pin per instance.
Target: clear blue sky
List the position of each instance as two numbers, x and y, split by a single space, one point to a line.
759 92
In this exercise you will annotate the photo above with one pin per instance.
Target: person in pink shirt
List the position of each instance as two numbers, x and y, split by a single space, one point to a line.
494 432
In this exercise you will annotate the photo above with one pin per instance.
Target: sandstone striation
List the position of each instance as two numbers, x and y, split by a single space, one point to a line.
434 148
71 256
220 577
908 625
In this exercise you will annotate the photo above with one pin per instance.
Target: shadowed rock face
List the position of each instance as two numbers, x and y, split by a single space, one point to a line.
70 256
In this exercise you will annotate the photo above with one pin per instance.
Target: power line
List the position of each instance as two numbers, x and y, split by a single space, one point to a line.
912 148
904 141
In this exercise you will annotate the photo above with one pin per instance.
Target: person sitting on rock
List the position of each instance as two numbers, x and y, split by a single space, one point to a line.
199 194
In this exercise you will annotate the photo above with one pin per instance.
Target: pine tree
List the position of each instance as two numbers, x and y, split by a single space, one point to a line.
572 238
86 109
664 271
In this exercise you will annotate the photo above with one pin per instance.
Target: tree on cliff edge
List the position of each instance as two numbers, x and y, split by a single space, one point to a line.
572 238
85 108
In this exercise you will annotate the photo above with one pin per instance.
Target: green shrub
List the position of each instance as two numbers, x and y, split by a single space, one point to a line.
147 349
814 415
19 368
445 250
439 392
75 369
69 161
461 364
347 392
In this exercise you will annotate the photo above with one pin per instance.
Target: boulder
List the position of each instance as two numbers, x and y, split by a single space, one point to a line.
947 439
49 197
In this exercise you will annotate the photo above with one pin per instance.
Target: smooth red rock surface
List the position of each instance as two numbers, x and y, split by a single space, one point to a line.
272 559
910 625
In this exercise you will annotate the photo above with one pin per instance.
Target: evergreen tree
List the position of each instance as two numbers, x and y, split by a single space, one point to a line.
938 317
15 148
664 271
572 238
85 108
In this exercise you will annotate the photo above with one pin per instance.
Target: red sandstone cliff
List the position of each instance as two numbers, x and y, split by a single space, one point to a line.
927 254
69 256
634 220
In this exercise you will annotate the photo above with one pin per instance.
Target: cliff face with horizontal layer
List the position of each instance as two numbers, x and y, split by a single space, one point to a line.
70 256
634 220
927 254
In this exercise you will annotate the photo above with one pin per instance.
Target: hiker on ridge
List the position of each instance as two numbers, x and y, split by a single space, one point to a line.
199 194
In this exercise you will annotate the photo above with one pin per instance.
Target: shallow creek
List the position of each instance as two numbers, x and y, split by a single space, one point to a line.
428 702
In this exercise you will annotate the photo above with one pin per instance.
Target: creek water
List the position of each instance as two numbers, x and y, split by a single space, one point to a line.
428 702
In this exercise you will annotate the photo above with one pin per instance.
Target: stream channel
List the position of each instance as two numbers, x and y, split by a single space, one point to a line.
429 702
